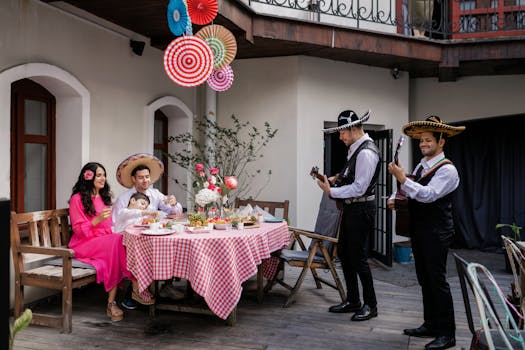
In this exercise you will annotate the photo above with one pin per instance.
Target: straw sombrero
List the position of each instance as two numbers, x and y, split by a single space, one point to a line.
431 124
348 119
156 168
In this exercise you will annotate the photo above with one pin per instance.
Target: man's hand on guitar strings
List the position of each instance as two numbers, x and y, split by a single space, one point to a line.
397 171
324 185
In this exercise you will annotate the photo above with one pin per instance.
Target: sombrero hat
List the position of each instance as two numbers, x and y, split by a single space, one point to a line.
156 168
431 124
348 119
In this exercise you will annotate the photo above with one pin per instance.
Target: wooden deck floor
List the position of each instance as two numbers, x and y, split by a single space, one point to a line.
305 325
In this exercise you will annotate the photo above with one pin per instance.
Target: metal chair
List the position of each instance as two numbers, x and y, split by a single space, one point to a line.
517 265
494 333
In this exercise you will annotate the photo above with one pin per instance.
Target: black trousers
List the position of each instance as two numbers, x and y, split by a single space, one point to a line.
430 255
352 249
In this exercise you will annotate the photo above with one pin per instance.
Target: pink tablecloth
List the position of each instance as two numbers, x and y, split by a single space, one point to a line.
216 263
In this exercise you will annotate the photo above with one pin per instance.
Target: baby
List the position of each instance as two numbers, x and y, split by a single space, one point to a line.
134 213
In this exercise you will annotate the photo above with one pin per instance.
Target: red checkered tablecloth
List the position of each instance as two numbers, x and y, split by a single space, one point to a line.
216 263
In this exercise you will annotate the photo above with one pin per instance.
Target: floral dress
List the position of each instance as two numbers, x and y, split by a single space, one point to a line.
97 245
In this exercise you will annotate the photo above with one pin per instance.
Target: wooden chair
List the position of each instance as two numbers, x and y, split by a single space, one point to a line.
321 253
270 207
491 335
48 235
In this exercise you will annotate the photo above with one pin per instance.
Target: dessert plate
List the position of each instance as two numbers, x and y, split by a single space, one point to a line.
158 232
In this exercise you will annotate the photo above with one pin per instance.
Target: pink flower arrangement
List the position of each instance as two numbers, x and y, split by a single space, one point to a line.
212 188
88 175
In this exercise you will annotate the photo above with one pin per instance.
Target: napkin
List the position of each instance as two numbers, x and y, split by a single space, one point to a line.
266 215
245 211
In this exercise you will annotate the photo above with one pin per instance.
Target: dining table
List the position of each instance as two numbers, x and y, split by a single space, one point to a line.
214 262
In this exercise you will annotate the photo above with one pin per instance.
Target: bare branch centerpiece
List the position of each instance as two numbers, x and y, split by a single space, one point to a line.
222 170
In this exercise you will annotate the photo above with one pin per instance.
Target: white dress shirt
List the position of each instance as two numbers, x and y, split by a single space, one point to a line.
156 202
365 168
125 218
444 181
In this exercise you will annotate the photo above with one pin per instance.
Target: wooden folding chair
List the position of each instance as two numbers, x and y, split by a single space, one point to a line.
48 235
320 254
272 207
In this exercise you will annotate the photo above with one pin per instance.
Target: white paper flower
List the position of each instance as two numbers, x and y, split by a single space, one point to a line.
206 196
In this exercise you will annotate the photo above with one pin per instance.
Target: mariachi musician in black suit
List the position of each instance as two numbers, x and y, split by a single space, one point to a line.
431 226
356 187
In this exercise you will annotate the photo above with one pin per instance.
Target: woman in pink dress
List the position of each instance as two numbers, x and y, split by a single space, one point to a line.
93 241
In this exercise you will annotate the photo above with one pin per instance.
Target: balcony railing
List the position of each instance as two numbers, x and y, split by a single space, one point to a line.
436 18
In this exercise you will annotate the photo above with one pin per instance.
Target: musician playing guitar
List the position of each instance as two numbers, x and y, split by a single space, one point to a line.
356 188
431 226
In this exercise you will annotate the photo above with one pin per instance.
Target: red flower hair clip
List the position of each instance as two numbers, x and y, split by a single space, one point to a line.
88 175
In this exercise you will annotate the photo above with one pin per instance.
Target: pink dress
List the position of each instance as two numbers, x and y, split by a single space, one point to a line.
97 245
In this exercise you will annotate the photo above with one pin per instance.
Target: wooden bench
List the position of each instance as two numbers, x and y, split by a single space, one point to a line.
46 234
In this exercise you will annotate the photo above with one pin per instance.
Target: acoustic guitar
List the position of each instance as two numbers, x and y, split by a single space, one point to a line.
314 173
401 200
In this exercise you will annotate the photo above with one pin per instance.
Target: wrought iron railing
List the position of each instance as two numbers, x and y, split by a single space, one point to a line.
436 18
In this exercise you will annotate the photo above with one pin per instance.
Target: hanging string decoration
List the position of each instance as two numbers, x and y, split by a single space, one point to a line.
202 11
178 18
221 79
188 61
222 43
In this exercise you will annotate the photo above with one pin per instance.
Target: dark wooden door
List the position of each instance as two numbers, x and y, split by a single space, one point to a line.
381 242
32 147
160 148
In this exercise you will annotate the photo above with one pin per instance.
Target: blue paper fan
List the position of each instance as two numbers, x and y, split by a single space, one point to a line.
178 17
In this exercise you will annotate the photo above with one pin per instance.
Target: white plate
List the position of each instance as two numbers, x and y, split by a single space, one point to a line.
159 232
198 229
141 225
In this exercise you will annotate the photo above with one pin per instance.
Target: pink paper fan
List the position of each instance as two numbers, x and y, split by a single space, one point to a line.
188 61
202 11
221 79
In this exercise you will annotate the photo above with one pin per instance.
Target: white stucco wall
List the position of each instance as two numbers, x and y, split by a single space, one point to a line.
326 88
102 90
297 94
120 84
266 90
468 98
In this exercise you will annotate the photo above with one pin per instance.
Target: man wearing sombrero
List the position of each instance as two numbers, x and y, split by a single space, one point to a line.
431 226
355 187
138 172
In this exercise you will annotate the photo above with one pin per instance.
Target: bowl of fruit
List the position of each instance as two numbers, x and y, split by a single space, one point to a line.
222 224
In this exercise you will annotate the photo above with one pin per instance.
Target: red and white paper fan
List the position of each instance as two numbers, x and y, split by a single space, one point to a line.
188 61
221 79
202 11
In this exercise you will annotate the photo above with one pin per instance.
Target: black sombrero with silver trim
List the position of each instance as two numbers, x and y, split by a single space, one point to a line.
348 119
431 124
